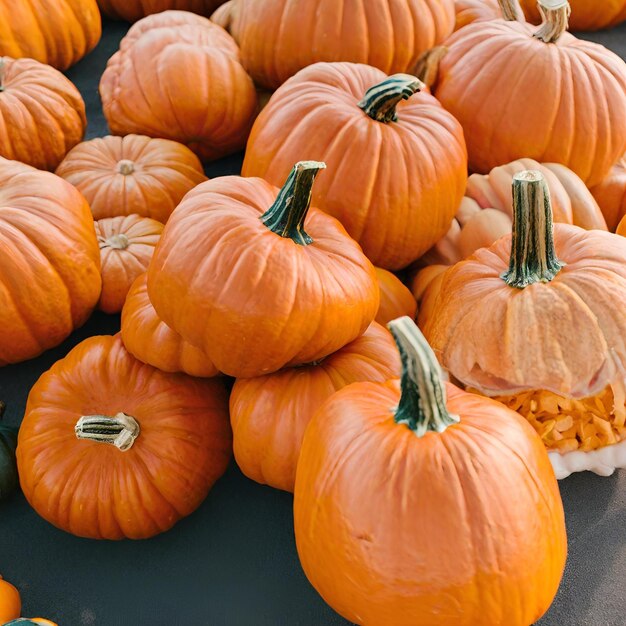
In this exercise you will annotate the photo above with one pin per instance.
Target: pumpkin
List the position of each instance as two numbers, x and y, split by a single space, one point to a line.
611 194
257 279
8 468
10 601
33 621
508 323
42 114
586 14
169 66
152 341
521 92
126 247
621 227
339 112
396 300
269 414
132 174
112 448
415 502
56 32
468 11
133 10
50 263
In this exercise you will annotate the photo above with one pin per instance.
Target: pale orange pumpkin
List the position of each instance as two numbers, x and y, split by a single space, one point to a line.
611 194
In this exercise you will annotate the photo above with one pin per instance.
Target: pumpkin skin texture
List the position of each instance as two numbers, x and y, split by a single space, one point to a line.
182 447
132 175
50 262
492 544
133 10
269 414
152 341
394 217
396 300
586 14
10 602
469 11
611 194
42 113
198 62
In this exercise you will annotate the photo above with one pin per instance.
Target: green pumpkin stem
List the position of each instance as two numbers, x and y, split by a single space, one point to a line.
286 216
120 430
511 10
422 404
555 15
533 258
380 101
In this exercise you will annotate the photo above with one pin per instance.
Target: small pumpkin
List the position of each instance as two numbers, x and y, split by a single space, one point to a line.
586 14
396 300
269 414
133 10
152 341
10 601
132 175
415 501
8 468
168 67
42 114
611 194
135 449
126 248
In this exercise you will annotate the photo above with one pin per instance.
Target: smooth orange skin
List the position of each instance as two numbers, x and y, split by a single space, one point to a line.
42 114
10 602
164 171
152 341
168 67
586 14
621 228
396 300
465 527
120 268
251 300
133 10
395 216
611 194
269 414
50 268
94 490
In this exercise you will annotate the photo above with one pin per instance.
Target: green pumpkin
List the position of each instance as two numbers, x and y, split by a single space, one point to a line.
8 466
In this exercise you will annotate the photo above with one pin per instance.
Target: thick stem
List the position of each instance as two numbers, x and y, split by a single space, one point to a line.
423 401
121 430
427 66
117 242
380 101
555 15
533 258
125 167
511 10
286 216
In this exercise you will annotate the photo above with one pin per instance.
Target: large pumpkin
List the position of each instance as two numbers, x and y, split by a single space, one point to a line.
586 14
178 76
8 468
417 504
42 114
132 174
10 601
611 194
352 117
250 275
50 262
133 10
111 447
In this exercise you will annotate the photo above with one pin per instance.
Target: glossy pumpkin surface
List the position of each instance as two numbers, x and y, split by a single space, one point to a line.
133 10
10 602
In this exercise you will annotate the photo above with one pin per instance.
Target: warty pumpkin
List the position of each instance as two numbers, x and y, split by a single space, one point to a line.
42 114
10 602
134 174
168 67
112 448
535 321
396 299
611 194
133 10
8 468
257 279
126 247
269 414
418 504
49 261
397 170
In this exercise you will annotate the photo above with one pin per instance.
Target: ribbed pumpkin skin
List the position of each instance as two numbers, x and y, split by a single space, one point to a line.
586 14
152 341
10 602
611 194
396 299
169 66
50 268
468 11
133 10
399 200
56 32
517 97
463 527
162 173
42 114
183 447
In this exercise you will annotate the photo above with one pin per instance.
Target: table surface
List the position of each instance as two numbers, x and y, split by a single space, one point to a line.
233 562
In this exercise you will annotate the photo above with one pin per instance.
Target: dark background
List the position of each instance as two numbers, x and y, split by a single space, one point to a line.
234 562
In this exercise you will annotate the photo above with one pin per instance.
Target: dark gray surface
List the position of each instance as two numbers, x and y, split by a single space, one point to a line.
233 562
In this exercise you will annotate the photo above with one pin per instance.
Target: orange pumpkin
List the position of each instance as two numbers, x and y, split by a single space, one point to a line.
339 112
611 194
42 114
522 92
152 341
10 602
586 14
468 11
132 174
269 414
50 265
279 284
133 10
396 300
112 448
169 66
415 502
126 247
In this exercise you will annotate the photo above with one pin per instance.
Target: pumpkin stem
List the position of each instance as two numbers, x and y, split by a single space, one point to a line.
533 258
555 15
117 242
121 430
422 404
427 66
125 167
511 10
286 216
380 101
